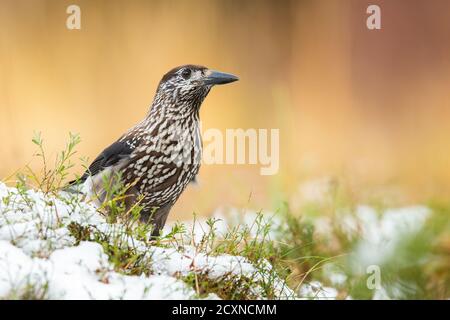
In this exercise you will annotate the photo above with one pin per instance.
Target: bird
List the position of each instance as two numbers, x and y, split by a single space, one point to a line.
158 157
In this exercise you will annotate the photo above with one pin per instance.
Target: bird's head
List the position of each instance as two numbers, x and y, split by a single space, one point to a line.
189 85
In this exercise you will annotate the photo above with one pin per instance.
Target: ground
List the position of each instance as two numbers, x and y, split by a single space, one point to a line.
41 257
57 246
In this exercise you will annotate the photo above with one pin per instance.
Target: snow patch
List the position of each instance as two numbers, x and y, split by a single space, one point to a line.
40 257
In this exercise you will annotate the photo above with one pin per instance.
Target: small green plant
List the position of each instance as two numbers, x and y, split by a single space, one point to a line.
51 179
31 291
125 258
227 287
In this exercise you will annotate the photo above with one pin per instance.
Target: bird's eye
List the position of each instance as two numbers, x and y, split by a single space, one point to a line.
186 73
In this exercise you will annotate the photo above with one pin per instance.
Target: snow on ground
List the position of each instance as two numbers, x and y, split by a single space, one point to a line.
315 290
229 218
38 255
382 234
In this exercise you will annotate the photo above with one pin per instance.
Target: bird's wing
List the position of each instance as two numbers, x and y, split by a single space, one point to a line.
109 157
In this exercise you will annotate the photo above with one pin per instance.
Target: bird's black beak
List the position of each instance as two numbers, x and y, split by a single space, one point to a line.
215 77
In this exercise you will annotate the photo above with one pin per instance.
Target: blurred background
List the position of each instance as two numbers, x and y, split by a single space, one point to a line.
370 109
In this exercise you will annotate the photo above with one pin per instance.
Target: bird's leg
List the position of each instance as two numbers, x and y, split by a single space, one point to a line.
157 216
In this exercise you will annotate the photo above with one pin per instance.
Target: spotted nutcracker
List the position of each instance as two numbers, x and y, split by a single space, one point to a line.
157 158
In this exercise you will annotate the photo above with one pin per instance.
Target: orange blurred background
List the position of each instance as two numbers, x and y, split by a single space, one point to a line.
370 107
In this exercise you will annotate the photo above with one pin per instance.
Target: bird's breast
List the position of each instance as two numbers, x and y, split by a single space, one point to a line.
165 164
